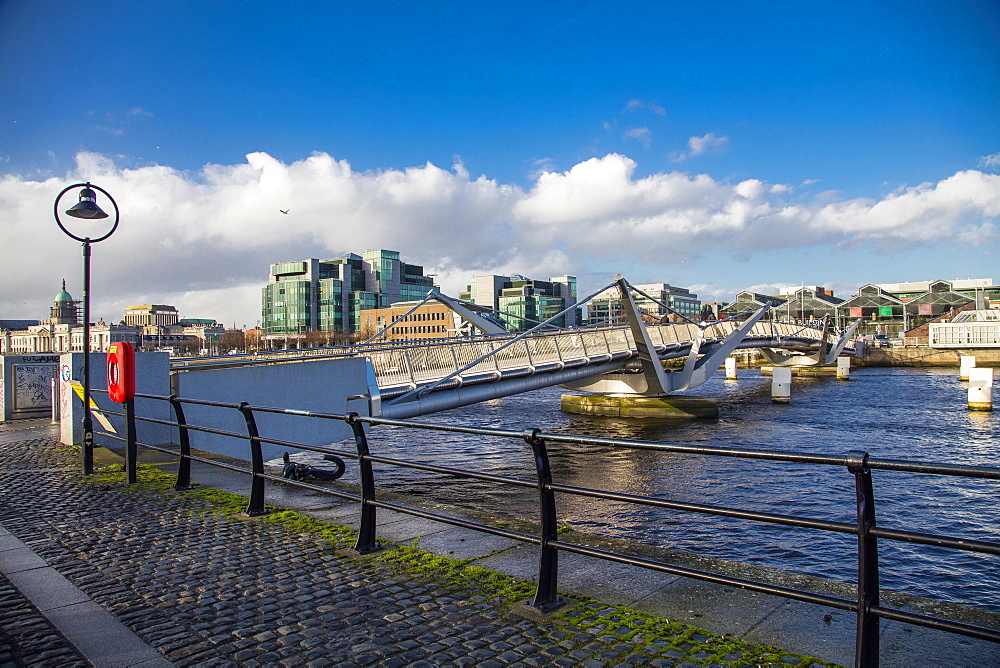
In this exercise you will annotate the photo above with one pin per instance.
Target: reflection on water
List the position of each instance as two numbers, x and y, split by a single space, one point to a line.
918 414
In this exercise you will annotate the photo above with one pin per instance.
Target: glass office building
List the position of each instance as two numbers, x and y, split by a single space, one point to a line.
524 302
328 295
664 301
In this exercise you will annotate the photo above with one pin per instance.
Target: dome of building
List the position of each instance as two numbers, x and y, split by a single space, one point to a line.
65 310
62 295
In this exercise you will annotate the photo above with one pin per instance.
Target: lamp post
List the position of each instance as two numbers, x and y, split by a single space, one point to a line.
86 209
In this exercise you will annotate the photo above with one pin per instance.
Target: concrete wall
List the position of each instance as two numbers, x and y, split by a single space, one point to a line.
26 386
322 386
152 376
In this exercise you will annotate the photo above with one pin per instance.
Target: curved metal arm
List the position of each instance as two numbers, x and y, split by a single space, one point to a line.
86 240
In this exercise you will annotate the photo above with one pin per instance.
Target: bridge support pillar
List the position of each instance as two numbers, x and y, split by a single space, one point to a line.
843 368
781 385
634 405
731 368
967 362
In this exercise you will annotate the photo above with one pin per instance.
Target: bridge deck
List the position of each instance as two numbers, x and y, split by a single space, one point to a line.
402 367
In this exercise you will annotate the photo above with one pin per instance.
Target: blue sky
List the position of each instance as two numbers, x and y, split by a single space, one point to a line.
717 146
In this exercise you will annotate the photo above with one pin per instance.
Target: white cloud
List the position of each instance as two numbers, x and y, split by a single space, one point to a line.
990 161
643 135
639 105
204 241
709 143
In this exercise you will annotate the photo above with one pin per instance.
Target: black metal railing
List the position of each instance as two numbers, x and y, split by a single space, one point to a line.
857 464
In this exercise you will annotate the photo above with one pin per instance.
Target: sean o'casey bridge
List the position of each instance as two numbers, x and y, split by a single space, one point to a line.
407 379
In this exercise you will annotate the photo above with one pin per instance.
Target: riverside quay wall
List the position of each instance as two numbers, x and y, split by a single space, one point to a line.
926 356
900 356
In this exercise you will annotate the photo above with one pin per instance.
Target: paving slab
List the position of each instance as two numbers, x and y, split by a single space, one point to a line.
825 632
101 638
899 642
18 559
461 543
715 607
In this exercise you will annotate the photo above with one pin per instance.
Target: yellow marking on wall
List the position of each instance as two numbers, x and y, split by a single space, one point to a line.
94 409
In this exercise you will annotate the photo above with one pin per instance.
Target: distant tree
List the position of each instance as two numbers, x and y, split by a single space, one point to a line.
189 346
232 339
366 332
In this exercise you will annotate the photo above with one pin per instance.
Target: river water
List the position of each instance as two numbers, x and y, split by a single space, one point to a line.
917 414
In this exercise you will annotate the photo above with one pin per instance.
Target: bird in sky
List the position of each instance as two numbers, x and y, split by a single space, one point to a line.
285 211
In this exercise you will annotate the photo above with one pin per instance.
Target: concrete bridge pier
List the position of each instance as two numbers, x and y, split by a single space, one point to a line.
730 368
967 362
781 385
844 368
980 389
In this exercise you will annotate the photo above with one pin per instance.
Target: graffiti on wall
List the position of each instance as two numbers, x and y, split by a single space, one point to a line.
32 386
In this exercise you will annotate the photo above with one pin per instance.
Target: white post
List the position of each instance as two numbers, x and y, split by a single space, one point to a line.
781 384
981 389
968 362
731 368
54 393
843 368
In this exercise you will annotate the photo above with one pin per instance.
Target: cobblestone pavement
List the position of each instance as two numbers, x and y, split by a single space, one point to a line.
206 587
26 637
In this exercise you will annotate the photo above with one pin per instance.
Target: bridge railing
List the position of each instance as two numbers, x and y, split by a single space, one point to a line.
855 465
409 363
412 363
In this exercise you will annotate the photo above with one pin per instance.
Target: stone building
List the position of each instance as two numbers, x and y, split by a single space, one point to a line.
62 332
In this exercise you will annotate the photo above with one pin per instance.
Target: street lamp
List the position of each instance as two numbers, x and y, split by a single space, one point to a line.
86 209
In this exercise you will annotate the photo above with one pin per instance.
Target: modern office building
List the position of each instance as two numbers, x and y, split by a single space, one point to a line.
524 302
663 302
328 295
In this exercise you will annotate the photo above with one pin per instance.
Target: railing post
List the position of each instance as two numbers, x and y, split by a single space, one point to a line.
527 353
866 651
256 505
409 366
184 461
366 533
131 450
546 598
